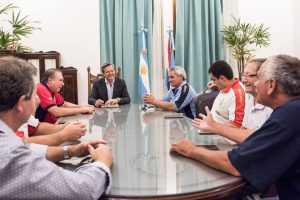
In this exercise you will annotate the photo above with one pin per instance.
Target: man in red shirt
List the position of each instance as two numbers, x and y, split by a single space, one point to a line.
52 104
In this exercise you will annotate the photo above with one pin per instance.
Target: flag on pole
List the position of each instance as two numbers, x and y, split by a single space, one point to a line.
144 86
171 56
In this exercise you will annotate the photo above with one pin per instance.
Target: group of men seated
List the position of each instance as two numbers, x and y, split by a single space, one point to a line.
269 143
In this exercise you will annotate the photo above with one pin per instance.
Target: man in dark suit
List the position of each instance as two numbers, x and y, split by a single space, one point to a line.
109 90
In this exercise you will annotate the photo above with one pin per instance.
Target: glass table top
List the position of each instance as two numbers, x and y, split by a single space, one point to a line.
142 164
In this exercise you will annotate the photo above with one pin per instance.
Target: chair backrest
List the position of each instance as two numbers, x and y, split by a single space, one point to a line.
119 72
91 79
205 98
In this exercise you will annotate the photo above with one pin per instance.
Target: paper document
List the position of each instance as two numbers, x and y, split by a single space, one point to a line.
173 115
110 106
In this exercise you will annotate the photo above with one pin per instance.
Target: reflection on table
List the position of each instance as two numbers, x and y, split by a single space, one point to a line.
142 165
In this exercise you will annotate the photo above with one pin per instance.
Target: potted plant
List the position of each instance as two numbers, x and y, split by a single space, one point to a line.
241 37
18 27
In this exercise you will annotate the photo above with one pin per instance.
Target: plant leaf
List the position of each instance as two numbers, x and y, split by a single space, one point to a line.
240 36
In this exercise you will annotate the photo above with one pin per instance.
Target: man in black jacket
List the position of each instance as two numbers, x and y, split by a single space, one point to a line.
109 90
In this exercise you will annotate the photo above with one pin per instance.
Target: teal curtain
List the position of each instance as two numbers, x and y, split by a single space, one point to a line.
120 21
198 39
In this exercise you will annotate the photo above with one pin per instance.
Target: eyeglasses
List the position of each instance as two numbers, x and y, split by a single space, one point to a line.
249 75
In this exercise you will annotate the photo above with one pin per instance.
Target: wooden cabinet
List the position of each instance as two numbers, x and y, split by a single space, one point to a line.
41 60
69 91
45 60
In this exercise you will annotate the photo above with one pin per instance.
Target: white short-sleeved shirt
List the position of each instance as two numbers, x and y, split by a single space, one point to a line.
29 128
255 115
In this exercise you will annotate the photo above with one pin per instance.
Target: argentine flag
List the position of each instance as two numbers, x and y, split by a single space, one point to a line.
144 86
171 56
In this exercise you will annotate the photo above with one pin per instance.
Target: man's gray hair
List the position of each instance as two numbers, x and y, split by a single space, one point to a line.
179 71
50 73
286 71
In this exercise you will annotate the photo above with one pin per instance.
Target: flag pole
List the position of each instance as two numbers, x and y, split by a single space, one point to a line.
144 86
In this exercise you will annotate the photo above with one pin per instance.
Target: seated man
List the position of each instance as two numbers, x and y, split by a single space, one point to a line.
50 134
229 105
26 174
272 153
52 104
255 113
180 97
109 90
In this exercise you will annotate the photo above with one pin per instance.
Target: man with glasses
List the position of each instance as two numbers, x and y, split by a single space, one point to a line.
255 114
272 153
109 90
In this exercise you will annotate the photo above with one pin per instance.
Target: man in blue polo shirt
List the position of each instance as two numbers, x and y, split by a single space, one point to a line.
272 153
180 98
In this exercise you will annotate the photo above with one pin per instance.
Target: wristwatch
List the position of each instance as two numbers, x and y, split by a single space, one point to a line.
118 99
65 150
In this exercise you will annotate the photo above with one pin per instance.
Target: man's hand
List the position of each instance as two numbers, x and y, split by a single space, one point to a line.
102 154
82 149
207 123
99 103
73 131
88 109
211 84
149 98
183 147
111 101
110 134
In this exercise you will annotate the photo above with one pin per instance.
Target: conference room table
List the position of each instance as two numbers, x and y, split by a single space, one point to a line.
143 167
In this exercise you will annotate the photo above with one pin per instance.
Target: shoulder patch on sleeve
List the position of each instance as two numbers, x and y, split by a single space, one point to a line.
185 88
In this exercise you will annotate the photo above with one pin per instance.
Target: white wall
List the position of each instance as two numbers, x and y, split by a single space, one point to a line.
230 8
282 19
297 28
70 27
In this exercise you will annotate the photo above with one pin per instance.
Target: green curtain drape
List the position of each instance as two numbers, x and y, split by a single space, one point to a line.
119 39
198 39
